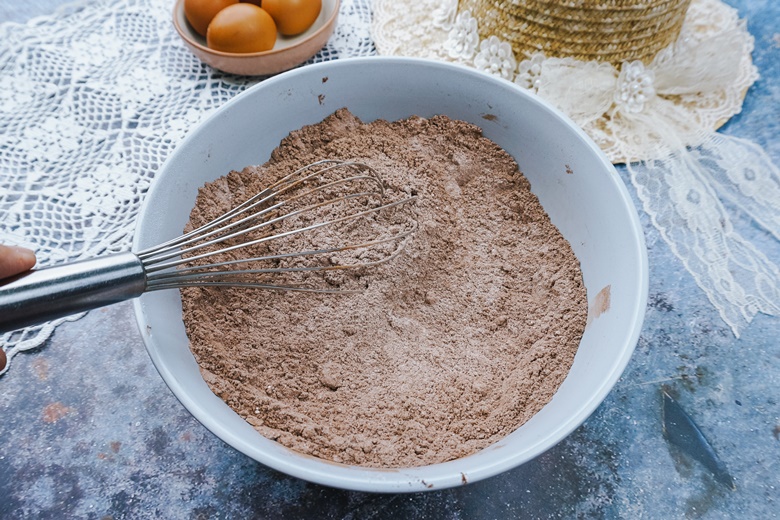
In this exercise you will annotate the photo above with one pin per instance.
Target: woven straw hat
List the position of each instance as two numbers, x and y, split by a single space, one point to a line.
603 30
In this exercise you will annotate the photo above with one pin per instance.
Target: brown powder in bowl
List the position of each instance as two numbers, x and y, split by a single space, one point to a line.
452 345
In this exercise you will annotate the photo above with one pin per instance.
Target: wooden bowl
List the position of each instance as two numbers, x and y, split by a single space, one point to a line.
288 52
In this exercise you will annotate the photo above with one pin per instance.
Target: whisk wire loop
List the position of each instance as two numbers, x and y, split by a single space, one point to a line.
162 280
287 183
175 263
154 265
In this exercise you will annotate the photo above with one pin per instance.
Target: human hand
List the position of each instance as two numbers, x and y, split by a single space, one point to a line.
15 260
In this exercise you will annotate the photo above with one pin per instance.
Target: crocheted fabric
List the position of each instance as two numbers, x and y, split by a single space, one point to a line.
92 100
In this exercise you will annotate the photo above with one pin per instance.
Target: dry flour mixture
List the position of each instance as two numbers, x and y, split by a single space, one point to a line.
450 347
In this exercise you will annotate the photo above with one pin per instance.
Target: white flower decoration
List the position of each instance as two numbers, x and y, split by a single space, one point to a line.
634 87
496 58
463 38
529 72
444 15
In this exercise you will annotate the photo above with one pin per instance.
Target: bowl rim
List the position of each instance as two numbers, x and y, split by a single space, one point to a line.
407 479
185 36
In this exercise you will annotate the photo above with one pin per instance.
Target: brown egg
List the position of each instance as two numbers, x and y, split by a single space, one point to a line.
3 359
293 16
241 28
200 12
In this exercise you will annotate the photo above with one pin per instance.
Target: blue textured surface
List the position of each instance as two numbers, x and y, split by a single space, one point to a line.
89 430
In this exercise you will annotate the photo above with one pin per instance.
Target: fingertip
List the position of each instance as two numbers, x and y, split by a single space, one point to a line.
26 257
15 260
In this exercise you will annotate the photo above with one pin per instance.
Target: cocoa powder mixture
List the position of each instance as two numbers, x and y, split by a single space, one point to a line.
451 346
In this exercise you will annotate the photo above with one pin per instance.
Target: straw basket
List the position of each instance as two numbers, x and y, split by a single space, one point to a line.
603 30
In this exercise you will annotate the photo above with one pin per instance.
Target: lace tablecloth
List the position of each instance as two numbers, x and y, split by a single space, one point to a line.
92 100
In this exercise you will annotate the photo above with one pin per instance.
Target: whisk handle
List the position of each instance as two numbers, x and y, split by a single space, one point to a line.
54 292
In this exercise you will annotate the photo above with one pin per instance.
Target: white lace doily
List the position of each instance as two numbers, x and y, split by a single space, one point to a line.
92 100
660 118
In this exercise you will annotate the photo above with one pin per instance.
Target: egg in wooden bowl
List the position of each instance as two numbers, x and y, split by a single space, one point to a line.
244 38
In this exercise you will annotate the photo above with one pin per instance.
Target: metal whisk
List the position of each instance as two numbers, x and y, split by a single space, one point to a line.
303 197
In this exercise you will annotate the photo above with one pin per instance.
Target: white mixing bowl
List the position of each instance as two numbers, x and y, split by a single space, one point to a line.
574 181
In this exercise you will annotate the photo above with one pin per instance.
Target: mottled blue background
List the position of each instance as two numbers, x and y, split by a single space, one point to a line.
89 430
